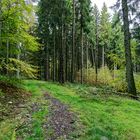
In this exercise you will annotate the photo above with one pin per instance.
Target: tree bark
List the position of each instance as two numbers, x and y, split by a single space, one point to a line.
18 58
54 57
87 57
61 79
96 53
46 72
67 60
7 54
0 26
73 45
128 57
103 56
82 55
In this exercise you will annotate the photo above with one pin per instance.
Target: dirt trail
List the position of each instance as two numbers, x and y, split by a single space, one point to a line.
60 122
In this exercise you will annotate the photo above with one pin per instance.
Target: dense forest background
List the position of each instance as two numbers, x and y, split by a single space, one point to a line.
71 41
69 71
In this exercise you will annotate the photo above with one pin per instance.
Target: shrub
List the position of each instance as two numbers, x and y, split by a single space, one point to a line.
11 81
105 76
89 76
137 80
119 81
115 79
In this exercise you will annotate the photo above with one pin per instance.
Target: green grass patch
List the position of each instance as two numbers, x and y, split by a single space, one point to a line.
23 122
103 115
39 113
11 81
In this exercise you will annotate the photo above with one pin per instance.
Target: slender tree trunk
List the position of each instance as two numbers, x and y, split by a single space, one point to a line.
128 57
87 60
103 56
57 56
0 26
96 53
96 64
7 54
46 72
67 60
78 56
62 51
115 68
92 56
54 57
82 60
18 58
73 45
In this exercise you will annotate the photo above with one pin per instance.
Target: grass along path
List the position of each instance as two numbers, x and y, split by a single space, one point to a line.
22 113
90 113
101 115
58 122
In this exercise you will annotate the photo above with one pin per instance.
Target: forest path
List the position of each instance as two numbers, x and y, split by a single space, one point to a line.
60 123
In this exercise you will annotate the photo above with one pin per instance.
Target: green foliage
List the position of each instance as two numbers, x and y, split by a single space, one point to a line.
1 93
119 81
23 122
13 135
15 65
27 69
11 81
16 40
105 27
137 80
115 78
7 131
104 76
116 48
39 116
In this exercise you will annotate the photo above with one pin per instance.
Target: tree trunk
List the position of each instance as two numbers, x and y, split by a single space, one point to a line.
61 79
67 60
54 57
82 55
87 60
115 68
0 26
96 64
46 70
7 54
73 45
18 58
92 56
96 53
128 57
103 56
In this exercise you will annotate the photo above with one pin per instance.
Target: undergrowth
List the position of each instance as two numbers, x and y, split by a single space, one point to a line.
11 81
102 115
22 112
115 78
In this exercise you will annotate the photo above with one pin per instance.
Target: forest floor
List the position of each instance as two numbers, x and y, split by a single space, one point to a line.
50 111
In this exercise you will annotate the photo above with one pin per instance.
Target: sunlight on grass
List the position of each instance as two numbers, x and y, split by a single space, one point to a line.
111 117
38 116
